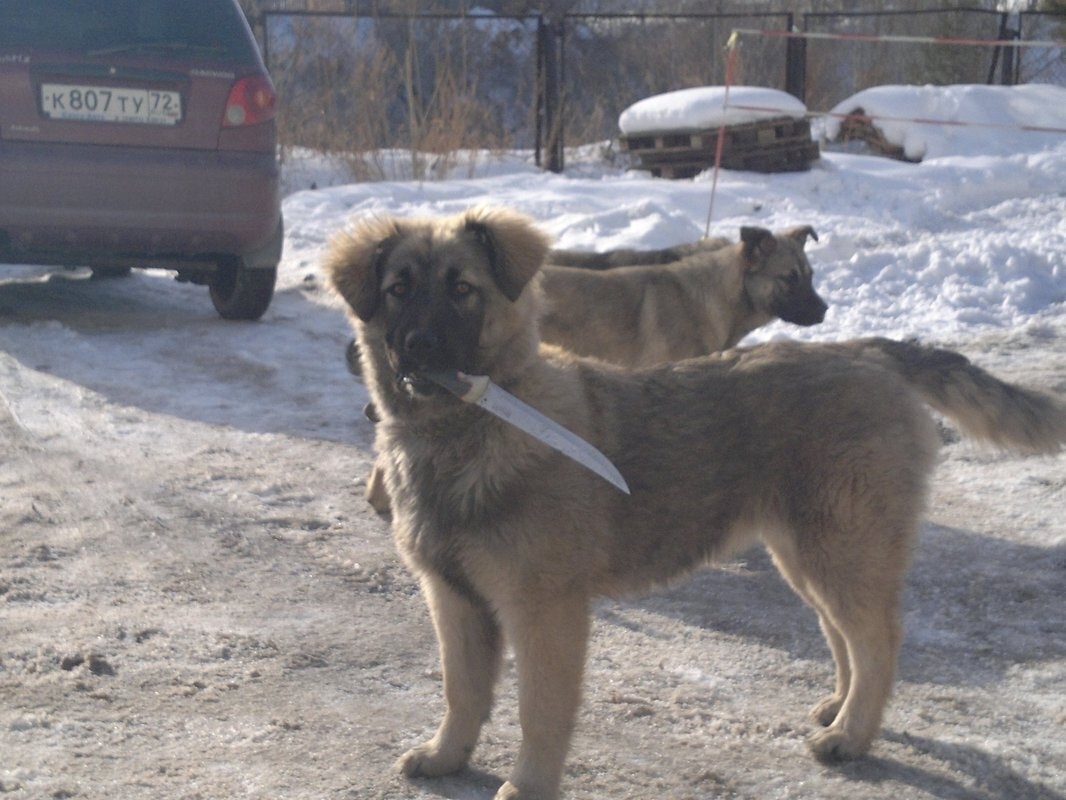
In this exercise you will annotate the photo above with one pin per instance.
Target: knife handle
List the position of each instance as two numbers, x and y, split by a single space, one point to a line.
478 386
468 388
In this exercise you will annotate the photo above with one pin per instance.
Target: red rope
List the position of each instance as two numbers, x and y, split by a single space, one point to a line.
733 45
874 37
959 123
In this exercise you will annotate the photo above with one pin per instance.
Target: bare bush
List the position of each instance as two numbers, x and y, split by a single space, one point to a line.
360 86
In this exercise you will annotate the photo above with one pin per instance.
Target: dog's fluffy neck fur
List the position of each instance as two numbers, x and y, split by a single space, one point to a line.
432 452
724 278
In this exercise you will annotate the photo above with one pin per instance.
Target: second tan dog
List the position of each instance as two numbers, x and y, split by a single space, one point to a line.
822 452
629 257
707 301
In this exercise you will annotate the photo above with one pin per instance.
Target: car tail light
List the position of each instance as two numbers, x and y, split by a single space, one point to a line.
251 100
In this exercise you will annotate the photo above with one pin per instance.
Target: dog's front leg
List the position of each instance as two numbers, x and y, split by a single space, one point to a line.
550 636
470 652
376 494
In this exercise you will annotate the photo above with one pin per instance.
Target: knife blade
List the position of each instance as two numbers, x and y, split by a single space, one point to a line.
478 389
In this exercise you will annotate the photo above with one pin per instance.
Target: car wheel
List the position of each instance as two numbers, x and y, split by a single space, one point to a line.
241 293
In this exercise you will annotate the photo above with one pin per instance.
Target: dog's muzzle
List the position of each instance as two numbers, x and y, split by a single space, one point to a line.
422 352
805 311
417 386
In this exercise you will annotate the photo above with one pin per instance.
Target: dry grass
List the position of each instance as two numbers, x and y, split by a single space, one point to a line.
439 89
374 96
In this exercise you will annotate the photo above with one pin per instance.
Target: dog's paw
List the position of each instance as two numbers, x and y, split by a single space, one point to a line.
508 792
511 791
833 745
826 711
430 760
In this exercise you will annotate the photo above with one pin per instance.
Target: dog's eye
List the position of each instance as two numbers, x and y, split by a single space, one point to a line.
398 289
461 288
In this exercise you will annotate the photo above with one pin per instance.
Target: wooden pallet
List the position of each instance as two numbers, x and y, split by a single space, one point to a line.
781 144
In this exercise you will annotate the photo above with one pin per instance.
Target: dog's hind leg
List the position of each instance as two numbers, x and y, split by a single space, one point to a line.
470 650
857 600
826 711
550 637
871 631
786 560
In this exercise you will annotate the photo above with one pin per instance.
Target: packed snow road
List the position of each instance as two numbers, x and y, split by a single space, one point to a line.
196 602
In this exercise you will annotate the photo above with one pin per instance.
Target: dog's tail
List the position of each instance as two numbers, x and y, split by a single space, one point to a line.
984 407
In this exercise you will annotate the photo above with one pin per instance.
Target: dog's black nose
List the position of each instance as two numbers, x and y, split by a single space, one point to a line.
421 346
815 312
808 310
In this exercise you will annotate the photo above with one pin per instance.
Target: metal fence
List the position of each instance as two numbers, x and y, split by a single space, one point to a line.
389 80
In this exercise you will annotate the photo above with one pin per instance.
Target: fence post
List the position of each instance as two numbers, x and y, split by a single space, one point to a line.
538 96
1003 56
549 134
558 135
1008 75
796 63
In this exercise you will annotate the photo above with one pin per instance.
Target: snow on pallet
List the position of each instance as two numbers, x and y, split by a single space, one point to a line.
778 144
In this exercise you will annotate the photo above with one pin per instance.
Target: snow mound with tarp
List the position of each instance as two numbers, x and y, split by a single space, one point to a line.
962 120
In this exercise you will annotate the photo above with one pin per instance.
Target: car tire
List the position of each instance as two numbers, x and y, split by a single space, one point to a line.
241 293
104 273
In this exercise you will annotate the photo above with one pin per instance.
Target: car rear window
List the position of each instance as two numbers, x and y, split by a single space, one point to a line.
181 28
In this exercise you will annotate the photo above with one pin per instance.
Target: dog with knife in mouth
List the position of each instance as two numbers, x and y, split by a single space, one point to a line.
822 452
685 301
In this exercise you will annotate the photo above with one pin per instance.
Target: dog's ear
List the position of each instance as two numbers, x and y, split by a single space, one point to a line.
353 263
800 234
516 248
758 244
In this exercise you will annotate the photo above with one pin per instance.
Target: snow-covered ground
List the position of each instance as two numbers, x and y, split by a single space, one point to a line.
195 601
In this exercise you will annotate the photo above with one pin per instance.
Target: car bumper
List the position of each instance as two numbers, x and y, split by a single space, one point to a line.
76 204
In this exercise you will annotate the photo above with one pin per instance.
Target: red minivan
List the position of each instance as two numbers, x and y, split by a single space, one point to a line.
140 133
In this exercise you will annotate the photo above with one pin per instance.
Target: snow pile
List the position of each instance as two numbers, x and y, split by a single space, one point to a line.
945 249
707 107
937 121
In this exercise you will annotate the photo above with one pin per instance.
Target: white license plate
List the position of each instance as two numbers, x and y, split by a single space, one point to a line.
110 104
